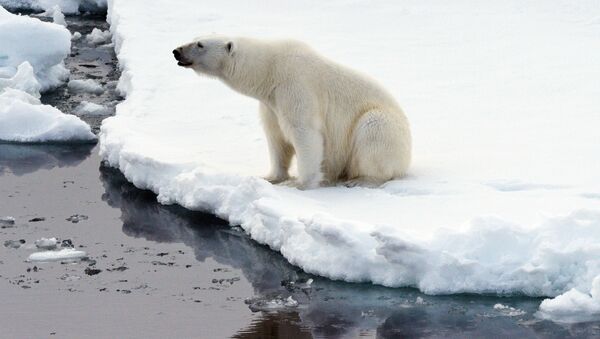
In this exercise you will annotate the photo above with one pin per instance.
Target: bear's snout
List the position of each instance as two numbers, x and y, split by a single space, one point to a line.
177 53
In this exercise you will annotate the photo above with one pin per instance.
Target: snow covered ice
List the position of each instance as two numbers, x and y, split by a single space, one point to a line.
26 69
503 102
90 108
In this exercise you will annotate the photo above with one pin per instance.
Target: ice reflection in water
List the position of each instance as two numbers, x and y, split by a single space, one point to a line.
327 308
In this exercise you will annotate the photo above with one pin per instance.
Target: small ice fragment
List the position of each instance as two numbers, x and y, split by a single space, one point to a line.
508 311
290 302
14 243
46 243
7 221
98 36
64 254
419 301
76 36
90 108
87 86
75 218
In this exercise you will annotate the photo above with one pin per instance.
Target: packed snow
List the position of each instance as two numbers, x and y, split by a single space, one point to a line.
67 6
503 100
85 85
63 254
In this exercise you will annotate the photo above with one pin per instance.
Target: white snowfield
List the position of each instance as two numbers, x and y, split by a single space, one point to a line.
503 195
31 61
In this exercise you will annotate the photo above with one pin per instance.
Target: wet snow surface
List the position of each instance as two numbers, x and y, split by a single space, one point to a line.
503 100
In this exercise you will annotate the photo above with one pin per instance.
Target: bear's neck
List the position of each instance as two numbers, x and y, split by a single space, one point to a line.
249 73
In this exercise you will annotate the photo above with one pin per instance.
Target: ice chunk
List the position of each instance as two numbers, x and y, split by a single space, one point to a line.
90 108
98 36
14 243
44 45
76 36
508 310
63 254
573 306
23 119
24 80
56 14
7 221
46 243
87 85
275 304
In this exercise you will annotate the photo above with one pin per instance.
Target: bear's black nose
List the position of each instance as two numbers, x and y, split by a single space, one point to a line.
177 54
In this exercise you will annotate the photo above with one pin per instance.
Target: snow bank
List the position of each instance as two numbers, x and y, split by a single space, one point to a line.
67 6
504 119
24 119
44 45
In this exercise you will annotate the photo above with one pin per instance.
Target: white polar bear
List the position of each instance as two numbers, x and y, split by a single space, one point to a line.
341 125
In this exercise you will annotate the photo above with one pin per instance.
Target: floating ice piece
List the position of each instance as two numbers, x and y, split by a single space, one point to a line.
7 221
56 14
76 36
508 310
14 243
23 119
573 306
98 36
90 108
63 254
46 243
271 305
87 85
44 45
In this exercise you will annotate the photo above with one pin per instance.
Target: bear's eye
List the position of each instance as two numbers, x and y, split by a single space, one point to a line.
200 45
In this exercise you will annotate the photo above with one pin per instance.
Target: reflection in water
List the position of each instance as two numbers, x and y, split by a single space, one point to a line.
328 309
24 159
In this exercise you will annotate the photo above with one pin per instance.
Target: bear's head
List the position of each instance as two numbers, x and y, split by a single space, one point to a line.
205 55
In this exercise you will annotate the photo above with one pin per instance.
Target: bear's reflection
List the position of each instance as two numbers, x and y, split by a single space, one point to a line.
328 309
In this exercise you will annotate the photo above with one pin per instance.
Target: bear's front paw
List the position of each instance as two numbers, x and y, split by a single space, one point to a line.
276 179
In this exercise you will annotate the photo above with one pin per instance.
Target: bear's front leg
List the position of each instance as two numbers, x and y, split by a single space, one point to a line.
280 151
308 144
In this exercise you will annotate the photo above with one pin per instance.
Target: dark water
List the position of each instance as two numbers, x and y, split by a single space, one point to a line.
227 276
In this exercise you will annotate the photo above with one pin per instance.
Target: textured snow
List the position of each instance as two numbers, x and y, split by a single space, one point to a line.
67 6
503 99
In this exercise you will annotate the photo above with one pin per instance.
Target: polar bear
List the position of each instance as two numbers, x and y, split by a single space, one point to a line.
341 125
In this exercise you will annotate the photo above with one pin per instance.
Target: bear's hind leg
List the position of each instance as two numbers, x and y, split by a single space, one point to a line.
380 150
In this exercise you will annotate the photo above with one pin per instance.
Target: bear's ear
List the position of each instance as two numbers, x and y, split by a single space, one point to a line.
229 47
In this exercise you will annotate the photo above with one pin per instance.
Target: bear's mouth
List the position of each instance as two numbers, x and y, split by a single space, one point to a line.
183 63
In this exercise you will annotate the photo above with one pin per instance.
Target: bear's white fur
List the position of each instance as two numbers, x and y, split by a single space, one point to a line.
341 125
